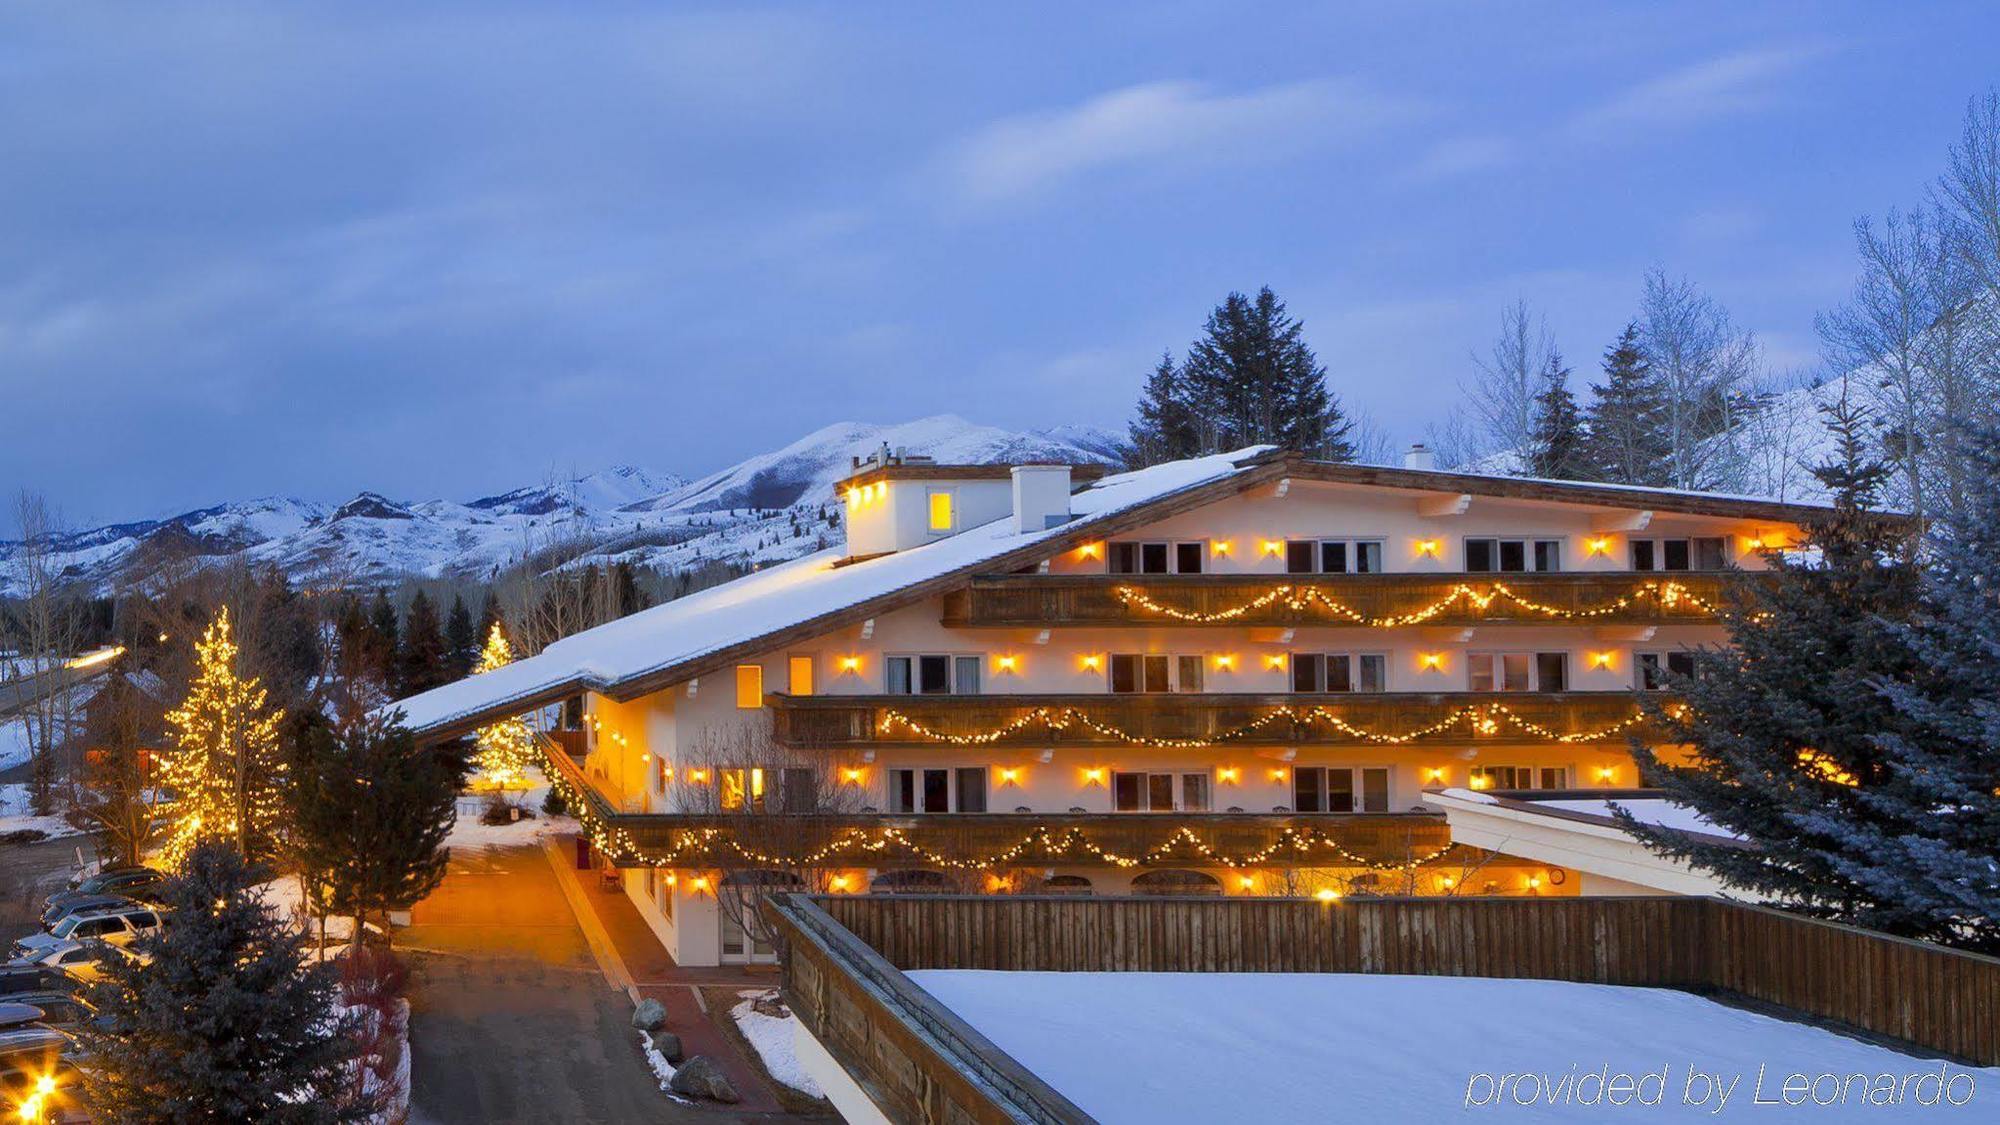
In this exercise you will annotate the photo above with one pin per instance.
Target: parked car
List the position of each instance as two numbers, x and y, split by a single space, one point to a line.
15 1013
79 960
132 882
62 906
32 978
94 870
58 1007
118 925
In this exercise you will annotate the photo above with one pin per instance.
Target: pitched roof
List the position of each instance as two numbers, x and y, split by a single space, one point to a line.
708 631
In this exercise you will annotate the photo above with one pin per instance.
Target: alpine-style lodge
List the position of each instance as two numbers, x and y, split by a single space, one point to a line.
1242 674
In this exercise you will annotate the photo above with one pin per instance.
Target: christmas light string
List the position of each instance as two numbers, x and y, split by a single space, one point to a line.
1299 599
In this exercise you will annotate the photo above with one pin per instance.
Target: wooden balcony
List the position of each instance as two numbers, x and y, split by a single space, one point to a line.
880 840
1043 601
834 722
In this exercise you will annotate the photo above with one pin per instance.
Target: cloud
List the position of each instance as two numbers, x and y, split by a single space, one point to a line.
1182 123
1739 82
1458 156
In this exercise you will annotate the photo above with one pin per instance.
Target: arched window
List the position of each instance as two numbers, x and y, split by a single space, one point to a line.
915 882
1065 885
1175 882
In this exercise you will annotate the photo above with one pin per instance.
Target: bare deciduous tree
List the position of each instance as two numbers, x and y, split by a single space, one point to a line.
1702 363
1508 378
52 627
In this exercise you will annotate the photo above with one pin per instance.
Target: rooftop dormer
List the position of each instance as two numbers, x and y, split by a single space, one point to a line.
896 500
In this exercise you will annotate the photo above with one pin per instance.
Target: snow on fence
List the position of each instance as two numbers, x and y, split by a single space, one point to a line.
844 956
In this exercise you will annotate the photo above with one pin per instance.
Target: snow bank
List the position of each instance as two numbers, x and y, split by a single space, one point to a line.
470 834
1292 1047
772 1036
15 803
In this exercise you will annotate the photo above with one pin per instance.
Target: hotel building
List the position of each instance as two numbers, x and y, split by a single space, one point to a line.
1237 674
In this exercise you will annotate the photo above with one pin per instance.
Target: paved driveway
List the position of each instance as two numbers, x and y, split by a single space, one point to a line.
511 1020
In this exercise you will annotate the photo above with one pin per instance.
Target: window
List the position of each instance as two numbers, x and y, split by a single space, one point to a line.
1652 668
740 789
1160 792
1699 553
1334 789
1518 671
1133 673
1339 671
941 516
800 671
1512 555
1333 556
1157 558
1520 777
749 686
932 673
938 790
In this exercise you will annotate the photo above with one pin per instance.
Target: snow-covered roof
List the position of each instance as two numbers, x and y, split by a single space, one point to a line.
681 632
1647 807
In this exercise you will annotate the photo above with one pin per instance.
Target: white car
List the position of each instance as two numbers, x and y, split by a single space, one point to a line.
119 925
83 960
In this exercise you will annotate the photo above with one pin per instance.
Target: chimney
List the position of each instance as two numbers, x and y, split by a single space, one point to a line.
1041 497
1419 457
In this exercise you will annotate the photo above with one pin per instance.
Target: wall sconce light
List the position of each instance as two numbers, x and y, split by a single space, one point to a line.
1279 774
1447 882
1220 548
1601 659
1093 776
850 664
1091 663
672 878
852 775
838 882
1006 663
645 757
1275 663
1225 661
1090 550
1534 882
1010 776
1598 544
1607 773
698 777
1245 883
1270 546
698 884
1428 547
1326 894
1228 775
1430 661
1434 774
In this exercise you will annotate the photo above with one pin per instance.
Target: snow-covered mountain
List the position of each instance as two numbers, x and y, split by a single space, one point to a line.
767 508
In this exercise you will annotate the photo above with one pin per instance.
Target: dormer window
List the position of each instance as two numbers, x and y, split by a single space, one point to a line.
941 514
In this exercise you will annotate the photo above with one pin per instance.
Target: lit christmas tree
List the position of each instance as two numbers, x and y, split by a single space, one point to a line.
227 775
507 748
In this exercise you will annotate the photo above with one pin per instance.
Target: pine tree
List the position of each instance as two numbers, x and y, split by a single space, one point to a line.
1624 442
420 658
1556 450
629 598
370 811
1785 727
1165 427
1251 379
382 643
507 748
1938 799
461 640
227 1022
226 772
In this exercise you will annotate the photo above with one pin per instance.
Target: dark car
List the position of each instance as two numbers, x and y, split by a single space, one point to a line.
33 978
132 882
63 905
56 1008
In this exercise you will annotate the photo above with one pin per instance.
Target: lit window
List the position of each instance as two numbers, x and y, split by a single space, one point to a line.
749 686
801 668
940 511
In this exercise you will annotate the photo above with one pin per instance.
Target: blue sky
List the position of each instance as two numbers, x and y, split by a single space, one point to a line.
437 250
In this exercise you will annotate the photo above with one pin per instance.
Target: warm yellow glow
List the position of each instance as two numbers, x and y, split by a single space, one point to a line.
1228 774
1270 546
1009 775
1091 663
1090 550
1434 773
1607 773
1245 882
1275 663
1225 661
1218 547
666 774
698 777
1428 547
839 882
749 686
1446 882
941 511
1601 659
1326 894
672 878
995 884
1481 781
1597 544
698 884
1093 776
93 659
1827 769
1534 882
1430 661
1279 774
1007 663
850 664
852 775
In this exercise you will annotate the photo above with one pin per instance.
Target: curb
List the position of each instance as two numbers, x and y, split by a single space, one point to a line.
594 935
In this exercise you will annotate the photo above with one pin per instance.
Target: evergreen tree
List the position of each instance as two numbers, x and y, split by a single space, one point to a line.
1165 428
629 597
1624 441
1785 728
507 748
489 620
226 771
382 643
1556 450
461 640
421 657
226 1023
370 811
1251 379
1937 803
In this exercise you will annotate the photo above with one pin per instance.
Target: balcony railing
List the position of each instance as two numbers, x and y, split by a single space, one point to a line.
1053 600
1173 720
985 840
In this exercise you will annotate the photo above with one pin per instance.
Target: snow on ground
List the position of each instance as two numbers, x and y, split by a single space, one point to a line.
1296 1047
14 745
470 835
15 815
662 1069
772 1036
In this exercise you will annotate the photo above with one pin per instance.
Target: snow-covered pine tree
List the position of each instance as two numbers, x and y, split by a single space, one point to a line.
1556 448
226 1023
1251 379
1785 727
1934 850
1623 443
1164 429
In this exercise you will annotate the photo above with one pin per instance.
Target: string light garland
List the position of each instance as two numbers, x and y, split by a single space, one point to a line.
1300 599
694 845
1479 718
227 775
